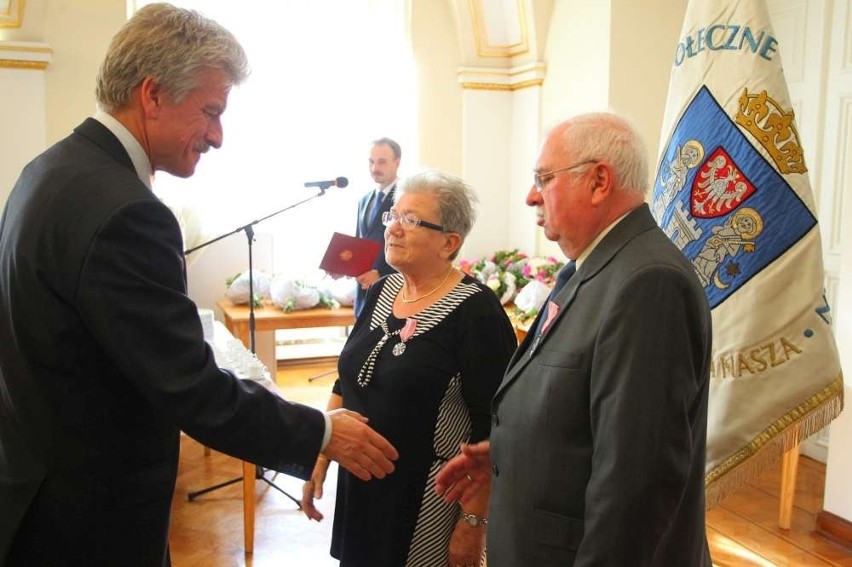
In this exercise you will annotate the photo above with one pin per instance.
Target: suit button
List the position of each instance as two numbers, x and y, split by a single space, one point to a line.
494 470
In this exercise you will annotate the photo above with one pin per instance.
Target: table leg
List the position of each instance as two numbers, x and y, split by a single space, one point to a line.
788 487
241 331
248 505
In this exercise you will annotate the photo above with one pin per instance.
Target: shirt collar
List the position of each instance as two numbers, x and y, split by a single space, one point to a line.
597 240
386 189
131 145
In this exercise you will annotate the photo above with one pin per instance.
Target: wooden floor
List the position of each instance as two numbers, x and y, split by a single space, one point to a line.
208 532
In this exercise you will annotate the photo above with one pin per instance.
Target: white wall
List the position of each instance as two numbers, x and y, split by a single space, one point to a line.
436 51
525 122
79 32
22 95
836 183
612 54
577 53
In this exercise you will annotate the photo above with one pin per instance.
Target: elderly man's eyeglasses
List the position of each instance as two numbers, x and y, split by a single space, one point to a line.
543 177
408 221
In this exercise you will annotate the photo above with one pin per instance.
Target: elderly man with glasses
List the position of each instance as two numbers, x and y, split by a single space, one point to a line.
596 454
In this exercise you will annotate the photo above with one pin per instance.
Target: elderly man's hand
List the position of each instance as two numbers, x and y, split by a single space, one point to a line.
463 475
358 448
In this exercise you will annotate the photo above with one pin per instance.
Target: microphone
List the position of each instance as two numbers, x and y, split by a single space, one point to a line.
339 182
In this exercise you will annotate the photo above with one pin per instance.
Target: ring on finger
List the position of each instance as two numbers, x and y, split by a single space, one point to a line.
470 478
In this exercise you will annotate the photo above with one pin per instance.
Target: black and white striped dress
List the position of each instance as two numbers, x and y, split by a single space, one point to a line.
425 398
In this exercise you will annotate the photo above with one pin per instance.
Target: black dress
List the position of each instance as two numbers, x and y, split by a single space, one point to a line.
425 394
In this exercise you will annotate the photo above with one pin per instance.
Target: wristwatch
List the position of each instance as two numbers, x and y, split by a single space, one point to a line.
473 520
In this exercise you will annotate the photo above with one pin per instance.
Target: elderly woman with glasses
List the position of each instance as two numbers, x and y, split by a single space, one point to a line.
422 364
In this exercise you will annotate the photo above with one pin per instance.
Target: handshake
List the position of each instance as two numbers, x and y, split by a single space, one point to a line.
357 448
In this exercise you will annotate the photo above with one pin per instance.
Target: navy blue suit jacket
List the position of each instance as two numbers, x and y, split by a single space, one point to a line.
373 231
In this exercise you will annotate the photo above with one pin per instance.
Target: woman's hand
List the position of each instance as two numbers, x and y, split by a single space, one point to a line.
313 489
466 545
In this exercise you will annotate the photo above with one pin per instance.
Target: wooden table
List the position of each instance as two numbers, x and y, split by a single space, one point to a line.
271 318
521 327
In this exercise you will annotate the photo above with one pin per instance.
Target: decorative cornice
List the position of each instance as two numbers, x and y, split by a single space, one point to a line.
15 64
496 79
499 87
25 55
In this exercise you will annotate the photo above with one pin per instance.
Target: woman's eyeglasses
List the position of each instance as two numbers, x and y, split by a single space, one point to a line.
408 221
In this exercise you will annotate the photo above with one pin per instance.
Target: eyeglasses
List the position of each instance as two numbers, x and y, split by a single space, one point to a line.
540 180
408 221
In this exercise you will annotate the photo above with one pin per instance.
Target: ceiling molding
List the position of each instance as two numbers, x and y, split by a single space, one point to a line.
491 79
25 55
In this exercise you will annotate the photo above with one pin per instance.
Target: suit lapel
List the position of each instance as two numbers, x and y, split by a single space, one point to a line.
532 344
636 222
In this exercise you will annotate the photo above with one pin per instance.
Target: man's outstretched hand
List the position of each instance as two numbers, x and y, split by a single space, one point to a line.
358 448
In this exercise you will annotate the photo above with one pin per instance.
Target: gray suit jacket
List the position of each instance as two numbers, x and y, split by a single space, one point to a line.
103 362
599 426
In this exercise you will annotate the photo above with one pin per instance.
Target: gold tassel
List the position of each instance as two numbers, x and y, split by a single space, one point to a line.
764 450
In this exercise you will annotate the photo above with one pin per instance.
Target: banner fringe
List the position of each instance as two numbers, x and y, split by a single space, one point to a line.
767 448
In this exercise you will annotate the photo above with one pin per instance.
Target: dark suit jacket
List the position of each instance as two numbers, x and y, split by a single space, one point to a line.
373 231
599 429
103 362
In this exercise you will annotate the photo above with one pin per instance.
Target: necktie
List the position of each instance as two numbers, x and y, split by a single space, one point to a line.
375 212
561 279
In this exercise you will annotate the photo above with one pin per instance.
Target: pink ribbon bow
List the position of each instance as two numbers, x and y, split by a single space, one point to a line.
408 329
552 311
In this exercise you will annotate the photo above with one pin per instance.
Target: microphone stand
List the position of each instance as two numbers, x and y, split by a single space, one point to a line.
249 230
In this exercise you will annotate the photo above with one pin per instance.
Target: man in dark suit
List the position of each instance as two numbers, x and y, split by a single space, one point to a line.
596 455
102 355
384 163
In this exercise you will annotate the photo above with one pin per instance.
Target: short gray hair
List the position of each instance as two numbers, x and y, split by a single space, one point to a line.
171 46
608 136
456 200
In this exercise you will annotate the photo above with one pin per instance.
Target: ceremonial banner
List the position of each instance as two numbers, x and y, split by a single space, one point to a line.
732 192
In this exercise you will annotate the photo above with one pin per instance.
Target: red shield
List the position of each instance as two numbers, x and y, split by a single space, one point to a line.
719 186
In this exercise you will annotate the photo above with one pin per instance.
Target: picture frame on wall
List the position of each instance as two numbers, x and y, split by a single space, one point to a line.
11 13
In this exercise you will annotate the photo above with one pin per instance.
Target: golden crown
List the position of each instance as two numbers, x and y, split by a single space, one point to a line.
774 128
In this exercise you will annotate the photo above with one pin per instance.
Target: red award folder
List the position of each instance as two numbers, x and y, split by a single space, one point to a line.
349 255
